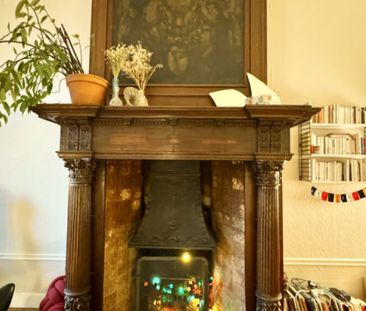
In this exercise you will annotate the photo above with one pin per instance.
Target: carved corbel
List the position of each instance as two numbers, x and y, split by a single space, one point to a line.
264 137
273 137
75 135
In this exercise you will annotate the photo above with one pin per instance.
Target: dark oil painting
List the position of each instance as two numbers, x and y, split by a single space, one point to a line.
197 41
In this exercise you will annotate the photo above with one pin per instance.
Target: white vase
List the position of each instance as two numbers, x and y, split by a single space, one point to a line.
115 100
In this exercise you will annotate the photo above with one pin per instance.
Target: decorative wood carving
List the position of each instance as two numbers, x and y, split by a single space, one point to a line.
75 135
78 248
269 248
264 137
81 302
259 134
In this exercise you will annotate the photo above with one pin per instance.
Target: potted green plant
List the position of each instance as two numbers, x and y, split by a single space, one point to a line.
41 50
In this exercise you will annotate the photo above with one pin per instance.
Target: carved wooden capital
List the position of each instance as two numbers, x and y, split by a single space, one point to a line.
268 173
80 169
77 303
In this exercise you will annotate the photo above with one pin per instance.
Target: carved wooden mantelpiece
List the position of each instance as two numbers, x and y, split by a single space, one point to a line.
258 134
175 133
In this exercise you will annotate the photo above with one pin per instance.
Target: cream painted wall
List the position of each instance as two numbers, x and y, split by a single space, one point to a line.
33 180
316 53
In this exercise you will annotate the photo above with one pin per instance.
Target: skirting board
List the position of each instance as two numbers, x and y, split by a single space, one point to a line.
344 273
31 257
31 274
26 300
335 262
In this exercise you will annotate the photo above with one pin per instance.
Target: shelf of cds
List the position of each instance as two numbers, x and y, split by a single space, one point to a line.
332 145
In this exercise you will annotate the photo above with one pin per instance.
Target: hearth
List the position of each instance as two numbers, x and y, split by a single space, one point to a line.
173 239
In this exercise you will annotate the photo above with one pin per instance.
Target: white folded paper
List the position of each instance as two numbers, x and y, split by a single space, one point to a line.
262 94
228 98
259 88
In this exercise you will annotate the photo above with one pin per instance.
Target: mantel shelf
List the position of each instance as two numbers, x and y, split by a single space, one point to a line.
293 114
196 133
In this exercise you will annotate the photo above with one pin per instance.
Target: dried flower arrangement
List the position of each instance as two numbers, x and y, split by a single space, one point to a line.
134 61
116 56
137 66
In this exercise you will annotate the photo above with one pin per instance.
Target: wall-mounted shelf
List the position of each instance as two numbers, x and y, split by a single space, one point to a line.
333 152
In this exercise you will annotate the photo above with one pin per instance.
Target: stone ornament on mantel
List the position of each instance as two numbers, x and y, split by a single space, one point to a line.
135 97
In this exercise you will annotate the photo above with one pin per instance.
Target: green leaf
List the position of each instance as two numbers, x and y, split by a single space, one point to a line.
43 18
16 76
2 95
14 95
24 36
6 107
23 107
18 9
40 8
4 117
30 28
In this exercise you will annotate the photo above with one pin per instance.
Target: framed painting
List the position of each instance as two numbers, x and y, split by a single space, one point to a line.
204 45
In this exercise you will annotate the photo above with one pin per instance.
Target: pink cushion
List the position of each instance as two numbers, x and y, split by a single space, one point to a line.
57 307
54 299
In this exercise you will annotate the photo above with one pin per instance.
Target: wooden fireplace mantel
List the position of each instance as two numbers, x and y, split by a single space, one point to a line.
259 134
196 133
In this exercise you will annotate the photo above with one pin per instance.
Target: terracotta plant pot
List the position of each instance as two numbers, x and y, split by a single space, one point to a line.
87 89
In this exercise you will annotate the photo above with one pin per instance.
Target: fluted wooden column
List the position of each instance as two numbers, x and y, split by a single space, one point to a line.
78 249
269 247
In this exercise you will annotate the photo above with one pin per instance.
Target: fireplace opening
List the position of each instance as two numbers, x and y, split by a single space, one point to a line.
173 271
172 283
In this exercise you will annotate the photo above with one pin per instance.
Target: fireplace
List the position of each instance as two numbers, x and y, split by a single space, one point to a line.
169 276
244 149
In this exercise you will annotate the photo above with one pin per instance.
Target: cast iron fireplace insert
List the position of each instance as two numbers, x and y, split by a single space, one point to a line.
168 277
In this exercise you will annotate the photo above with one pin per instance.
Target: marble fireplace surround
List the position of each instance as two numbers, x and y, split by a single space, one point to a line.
245 149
